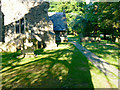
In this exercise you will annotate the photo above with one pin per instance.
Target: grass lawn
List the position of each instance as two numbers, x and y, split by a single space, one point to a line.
65 67
73 38
105 49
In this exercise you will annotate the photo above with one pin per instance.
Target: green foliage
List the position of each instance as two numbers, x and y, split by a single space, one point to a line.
107 16
71 8
107 52
81 25
104 17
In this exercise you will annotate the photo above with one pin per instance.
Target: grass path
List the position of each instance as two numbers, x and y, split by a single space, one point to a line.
109 71
105 49
107 52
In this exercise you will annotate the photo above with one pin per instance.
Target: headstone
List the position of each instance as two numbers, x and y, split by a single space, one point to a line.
28 48
11 47
98 39
117 40
86 39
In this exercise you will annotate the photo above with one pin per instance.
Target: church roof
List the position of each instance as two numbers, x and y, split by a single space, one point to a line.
59 21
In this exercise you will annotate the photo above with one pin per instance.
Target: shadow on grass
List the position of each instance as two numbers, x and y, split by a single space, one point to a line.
64 68
9 58
104 51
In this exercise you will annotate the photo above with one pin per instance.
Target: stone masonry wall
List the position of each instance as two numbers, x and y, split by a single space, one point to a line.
0 23
40 25
37 22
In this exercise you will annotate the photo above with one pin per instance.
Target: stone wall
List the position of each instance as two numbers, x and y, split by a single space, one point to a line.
15 9
36 22
40 25
0 23
60 25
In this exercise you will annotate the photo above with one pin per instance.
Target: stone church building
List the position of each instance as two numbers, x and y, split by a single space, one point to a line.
59 25
1 24
29 28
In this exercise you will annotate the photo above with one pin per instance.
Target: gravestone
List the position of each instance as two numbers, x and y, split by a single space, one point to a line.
28 47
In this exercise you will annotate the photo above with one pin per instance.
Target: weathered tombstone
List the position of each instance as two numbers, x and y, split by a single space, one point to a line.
28 48
117 40
11 47
92 39
98 39
86 39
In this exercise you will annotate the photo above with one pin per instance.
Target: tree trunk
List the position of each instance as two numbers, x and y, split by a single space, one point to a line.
81 37
113 38
104 34
95 31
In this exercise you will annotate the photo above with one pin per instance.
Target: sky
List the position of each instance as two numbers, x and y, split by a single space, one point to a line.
87 1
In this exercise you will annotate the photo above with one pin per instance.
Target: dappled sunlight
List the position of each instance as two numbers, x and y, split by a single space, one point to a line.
28 60
106 51
59 70
51 68
73 38
6 68
98 77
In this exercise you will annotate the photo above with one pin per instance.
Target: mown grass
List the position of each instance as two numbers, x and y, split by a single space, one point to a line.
73 38
106 50
65 67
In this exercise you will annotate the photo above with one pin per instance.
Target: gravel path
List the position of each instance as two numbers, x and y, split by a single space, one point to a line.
108 70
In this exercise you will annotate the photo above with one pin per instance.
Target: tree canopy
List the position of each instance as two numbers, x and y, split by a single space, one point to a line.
97 18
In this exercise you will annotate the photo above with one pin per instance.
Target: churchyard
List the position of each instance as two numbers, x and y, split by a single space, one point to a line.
105 49
58 45
65 67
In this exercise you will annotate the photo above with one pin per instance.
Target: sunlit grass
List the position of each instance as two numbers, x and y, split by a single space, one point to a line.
64 67
106 49
106 52
100 80
73 38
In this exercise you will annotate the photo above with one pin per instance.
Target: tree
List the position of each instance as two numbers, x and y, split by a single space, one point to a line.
109 18
71 8
96 18
105 17
81 25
